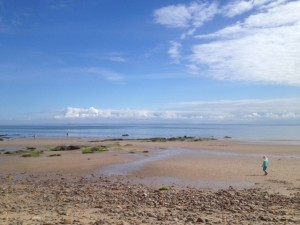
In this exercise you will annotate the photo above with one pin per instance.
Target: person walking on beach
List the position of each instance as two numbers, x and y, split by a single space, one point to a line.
265 165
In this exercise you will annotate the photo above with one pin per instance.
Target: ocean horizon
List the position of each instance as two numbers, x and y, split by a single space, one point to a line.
134 131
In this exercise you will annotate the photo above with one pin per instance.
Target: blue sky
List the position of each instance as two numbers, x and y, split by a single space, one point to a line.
138 60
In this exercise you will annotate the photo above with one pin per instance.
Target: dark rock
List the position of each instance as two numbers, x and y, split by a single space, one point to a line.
264 218
66 148
189 219
150 214
200 220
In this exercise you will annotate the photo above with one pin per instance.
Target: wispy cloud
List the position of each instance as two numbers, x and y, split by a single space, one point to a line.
262 47
108 74
98 71
185 16
10 21
60 5
237 7
174 51
115 57
212 111
15 16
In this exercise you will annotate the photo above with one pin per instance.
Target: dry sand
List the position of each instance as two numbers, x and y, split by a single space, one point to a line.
204 165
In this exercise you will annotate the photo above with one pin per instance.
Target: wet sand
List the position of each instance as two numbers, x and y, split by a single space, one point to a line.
138 169
202 164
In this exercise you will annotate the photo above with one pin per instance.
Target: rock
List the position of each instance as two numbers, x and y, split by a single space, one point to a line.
100 222
283 219
67 221
264 218
36 218
151 214
189 219
123 223
100 201
200 220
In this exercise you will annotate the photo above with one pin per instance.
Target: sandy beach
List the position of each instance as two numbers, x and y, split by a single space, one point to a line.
95 185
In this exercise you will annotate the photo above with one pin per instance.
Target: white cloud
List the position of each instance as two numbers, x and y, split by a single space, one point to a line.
262 47
185 16
174 51
218 111
282 15
236 8
230 32
265 47
173 16
247 110
93 113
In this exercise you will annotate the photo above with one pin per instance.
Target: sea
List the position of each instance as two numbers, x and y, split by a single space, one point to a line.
135 131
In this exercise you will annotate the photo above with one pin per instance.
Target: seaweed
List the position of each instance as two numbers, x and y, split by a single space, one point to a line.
94 149
184 138
32 153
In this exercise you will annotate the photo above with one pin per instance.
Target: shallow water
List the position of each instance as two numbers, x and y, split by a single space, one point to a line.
104 131
142 160
11 148
126 168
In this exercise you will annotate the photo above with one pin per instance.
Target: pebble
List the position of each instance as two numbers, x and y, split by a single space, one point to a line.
117 202
67 221
36 218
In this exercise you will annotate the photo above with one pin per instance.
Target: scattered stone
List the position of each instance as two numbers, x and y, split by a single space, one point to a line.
100 200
